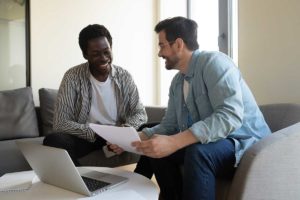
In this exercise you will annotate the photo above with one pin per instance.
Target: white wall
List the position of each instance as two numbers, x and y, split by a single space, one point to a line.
167 9
269 52
55 26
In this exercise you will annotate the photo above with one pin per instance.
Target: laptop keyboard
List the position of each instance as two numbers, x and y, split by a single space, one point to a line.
93 184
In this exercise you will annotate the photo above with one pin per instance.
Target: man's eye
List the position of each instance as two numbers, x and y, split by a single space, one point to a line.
106 53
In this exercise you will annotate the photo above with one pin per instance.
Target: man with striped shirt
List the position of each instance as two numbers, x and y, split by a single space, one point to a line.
94 92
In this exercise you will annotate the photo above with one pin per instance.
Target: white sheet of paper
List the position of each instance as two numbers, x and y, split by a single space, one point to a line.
121 136
11 182
129 194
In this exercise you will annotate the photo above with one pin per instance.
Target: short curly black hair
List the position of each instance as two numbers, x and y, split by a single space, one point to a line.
90 32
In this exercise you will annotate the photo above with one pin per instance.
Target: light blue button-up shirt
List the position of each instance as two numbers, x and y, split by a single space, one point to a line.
219 104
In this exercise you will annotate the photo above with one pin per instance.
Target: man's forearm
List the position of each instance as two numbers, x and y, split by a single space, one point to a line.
184 139
181 139
159 146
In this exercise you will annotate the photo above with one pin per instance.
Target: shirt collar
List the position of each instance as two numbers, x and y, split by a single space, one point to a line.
192 65
112 71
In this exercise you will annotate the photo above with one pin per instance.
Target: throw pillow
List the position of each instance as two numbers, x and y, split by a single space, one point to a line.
17 114
47 103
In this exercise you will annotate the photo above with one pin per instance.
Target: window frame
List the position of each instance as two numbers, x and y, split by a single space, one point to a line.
27 43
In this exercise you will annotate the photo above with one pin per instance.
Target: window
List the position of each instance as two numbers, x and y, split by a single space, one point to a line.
206 14
217 31
14 58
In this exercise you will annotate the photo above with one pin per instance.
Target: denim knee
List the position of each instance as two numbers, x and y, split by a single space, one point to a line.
196 152
212 156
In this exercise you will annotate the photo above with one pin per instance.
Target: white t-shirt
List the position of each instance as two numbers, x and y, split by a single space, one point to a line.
186 86
103 106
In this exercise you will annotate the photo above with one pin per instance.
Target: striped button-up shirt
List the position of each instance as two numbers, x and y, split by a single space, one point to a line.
73 102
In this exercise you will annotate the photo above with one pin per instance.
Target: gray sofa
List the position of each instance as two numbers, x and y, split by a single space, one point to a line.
268 170
21 120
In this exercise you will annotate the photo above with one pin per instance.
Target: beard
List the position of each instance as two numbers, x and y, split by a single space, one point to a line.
171 63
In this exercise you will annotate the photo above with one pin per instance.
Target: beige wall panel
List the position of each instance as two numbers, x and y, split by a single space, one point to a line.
269 52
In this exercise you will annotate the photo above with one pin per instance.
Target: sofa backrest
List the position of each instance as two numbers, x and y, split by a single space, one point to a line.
281 115
155 113
277 116
46 110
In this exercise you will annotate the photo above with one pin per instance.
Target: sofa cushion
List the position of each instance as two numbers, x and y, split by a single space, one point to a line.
47 103
17 114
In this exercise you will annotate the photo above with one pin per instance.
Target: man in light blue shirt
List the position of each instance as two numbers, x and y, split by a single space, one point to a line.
211 118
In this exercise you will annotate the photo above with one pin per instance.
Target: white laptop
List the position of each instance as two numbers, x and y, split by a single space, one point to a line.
55 167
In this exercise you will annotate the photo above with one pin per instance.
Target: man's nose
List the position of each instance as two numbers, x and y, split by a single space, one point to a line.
159 54
102 56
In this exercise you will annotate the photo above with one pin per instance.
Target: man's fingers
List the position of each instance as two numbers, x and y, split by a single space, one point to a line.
146 147
115 148
136 143
119 151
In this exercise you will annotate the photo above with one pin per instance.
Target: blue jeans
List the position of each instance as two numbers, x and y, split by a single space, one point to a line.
201 163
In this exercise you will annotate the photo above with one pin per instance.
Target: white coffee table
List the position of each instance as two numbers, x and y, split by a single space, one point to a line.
138 188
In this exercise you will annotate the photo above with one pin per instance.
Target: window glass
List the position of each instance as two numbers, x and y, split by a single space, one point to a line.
206 14
13 44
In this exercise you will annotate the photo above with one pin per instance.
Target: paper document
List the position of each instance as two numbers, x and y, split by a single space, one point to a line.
12 182
121 136
129 194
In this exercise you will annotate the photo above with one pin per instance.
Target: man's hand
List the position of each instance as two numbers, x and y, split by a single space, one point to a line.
157 146
143 136
114 148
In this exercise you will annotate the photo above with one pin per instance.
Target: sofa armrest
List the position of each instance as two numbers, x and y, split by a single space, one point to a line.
270 168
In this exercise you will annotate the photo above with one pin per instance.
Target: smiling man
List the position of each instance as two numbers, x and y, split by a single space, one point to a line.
94 92
211 119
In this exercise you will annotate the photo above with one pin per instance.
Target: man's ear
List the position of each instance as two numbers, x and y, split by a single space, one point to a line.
179 43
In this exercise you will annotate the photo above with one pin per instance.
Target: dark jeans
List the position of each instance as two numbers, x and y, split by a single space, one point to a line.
75 146
144 167
201 164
